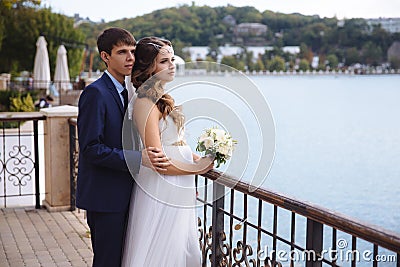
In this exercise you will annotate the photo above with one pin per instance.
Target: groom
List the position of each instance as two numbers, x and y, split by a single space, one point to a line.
104 181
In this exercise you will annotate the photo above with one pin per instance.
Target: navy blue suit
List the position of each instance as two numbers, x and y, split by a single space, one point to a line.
104 182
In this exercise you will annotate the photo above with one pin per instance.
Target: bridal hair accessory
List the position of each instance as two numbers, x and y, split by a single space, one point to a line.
162 49
216 143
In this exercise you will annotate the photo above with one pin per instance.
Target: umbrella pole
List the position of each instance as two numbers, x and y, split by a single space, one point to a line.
90 63
82 63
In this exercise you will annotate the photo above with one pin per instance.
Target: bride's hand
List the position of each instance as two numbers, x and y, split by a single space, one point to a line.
154 158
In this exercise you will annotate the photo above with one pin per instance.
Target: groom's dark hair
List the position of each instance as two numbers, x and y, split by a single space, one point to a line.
112 37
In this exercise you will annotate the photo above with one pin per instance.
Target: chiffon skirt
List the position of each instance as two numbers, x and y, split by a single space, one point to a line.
162 225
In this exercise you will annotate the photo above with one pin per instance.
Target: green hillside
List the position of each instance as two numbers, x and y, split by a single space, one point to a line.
351 41
333 41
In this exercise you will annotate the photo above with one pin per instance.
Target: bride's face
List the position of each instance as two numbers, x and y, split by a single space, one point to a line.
165 67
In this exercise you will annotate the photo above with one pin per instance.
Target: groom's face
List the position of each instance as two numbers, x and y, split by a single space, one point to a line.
120 62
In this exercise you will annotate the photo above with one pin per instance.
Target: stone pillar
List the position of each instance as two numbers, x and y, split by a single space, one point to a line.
56 156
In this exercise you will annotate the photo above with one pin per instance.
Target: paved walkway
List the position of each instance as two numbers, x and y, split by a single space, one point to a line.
30 237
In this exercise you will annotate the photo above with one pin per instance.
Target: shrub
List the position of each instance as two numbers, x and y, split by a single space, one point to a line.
7 95
22 104
18 104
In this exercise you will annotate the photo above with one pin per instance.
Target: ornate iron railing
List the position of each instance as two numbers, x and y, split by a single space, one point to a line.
253 234
73 159
310 236
19 156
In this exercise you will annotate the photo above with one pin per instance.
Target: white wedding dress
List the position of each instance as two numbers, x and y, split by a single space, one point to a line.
162 225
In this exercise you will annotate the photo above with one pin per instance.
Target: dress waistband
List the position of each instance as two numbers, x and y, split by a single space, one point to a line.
179 143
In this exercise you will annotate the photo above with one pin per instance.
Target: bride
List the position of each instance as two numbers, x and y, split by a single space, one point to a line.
162 229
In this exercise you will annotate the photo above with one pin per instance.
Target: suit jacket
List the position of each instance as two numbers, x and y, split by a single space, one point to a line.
104 182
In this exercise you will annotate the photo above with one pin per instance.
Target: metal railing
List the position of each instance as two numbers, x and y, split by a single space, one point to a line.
73 159
244 234
19 156
62 92
25 84
311 235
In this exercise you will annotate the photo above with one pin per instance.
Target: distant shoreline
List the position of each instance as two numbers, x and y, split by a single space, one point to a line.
184 72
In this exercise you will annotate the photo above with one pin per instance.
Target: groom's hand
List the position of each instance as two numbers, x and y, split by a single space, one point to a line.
153 157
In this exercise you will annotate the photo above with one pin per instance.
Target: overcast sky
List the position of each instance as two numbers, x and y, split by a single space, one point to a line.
117 9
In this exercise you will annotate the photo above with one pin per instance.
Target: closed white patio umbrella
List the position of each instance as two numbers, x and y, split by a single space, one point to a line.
61 74
41 68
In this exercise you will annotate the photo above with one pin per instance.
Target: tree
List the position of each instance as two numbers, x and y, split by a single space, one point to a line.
353 33
24 24
247 58
277 64
304 65
352 56
213 50
371 54
6 6
233 62
305 52
313 35
381 38
332 61
259 66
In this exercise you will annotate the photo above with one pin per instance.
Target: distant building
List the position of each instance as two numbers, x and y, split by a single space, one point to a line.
315 62
391 25
341 23
199 53
79 20
250 29
180 65
229 20
250 34
291 49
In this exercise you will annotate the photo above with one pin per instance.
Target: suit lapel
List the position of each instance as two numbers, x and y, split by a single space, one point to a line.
113 92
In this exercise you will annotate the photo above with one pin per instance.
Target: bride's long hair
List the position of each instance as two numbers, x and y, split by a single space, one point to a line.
146 82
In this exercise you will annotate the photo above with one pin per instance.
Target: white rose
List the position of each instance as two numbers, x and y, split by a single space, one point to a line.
208 142
203 137
223 149
219 135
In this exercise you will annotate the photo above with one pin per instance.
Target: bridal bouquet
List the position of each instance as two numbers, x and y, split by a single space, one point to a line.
216 143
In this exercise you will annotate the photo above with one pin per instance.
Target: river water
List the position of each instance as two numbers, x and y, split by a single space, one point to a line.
337 145
337 140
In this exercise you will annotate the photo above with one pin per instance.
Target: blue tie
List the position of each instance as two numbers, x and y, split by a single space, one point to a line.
124 94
